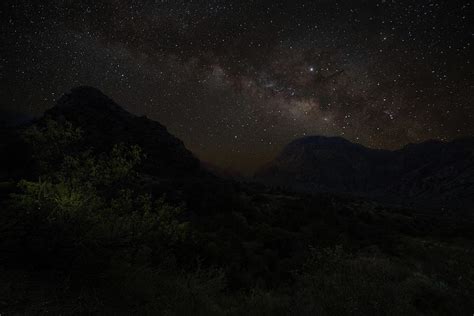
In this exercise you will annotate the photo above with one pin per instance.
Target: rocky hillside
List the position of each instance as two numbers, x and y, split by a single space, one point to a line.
432 173
105 123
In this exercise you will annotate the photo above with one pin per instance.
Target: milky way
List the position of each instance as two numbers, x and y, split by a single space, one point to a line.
237 80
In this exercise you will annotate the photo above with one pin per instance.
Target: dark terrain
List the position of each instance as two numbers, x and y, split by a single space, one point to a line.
104 212
428 174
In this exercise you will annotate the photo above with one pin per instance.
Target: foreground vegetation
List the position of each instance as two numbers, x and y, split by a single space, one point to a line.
86 231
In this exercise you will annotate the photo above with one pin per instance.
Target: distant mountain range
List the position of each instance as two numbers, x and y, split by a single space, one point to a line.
432 173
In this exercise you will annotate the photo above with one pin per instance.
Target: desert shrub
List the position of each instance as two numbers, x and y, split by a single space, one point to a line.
49 141
86 223
88 205
334 282
86 235
258 301
123 289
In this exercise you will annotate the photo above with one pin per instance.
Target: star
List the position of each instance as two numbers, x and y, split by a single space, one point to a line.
259 70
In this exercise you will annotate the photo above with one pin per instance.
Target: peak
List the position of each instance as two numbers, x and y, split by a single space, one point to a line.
87 91
104 123
87 97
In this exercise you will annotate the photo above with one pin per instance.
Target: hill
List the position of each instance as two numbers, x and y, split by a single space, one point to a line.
429 174
103 212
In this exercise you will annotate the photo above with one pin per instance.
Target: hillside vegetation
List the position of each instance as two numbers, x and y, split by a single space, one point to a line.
97 230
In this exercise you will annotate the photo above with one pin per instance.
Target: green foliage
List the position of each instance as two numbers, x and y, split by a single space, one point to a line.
89 236
105 170
335 283
89 203
49 141
53 134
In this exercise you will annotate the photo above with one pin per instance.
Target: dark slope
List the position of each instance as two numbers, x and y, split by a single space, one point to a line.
79 241
431 173
105 123
168 169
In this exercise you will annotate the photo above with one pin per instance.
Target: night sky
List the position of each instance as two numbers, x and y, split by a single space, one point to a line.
237 80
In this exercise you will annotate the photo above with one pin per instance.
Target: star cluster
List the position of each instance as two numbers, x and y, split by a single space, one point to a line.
237 80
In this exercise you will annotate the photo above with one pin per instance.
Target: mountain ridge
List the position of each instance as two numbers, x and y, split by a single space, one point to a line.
433 172
104 122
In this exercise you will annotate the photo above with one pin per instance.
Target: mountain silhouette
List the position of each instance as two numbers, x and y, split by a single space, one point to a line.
104 123
167 169
431 173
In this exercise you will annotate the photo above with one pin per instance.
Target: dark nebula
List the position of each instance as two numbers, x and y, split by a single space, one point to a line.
237 80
